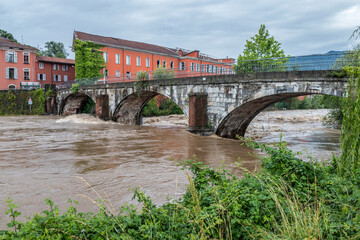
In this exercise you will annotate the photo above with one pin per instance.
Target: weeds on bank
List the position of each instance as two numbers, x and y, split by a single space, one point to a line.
288 199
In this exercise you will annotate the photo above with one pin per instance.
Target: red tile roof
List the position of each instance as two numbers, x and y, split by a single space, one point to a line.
4 42
121 43
55 60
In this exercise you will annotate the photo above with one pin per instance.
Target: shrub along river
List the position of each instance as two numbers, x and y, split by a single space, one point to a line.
57 157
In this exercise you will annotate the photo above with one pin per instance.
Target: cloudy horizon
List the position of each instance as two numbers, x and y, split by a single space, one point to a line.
216 28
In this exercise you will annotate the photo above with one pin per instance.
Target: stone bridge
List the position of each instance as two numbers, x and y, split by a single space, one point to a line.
222 104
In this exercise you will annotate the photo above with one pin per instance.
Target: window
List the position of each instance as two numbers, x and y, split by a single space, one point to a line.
216 69
26 74
41 65
26 58
105 54
12 87
192 66
197 67
11 57
221 70
65 68
128 74
207 68
164 64
56 66
182 66
117 73
57 78
127 60
65 78
106 72
41 77
138 61
11 73
117 58
157 63
148 62
171 64
202 68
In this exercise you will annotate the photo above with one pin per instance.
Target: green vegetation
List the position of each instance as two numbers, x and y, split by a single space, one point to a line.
88 60
162 73
289 199
7 35
54 49
75 88
257 53
16 102
89 107
166 107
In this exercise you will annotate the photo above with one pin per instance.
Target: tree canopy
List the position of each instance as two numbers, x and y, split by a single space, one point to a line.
7 35
54 49
260 46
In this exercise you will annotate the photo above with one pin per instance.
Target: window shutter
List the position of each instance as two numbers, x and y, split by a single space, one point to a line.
38 76
59 78
44 77
7 72
54 78
15 73
15 58
7 56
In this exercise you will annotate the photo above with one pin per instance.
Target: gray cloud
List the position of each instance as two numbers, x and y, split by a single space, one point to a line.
218 28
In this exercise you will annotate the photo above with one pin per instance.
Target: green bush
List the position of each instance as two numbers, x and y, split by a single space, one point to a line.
16 102
167 107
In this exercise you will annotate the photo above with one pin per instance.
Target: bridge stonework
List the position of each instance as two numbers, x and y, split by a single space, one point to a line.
232 100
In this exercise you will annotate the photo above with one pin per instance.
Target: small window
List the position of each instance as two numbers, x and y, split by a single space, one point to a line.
56 66
12 87
192 66
172 65
117 58
65 68
41 65
207 68
202 68
197 67
182 66
26 74
41 77
164 64
128 74
11 73
106 72
26 58
65 78
127 60
157 63
57 78
105 56
138 61
216 69
11 57
117 73
148 62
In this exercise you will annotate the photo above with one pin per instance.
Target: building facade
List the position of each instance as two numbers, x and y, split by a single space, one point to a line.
124 59
17 65
51 70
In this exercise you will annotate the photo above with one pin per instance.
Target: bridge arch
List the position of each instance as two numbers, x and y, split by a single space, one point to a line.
73 103
237 121
128 111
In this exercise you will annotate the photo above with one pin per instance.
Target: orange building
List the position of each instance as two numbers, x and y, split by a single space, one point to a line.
17 65
124 59
51 70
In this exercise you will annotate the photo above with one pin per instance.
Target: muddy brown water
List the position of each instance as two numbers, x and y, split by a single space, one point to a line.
59 157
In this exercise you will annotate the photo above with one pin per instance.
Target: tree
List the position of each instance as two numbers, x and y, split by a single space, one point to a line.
261 46
88 60
54 49
7 35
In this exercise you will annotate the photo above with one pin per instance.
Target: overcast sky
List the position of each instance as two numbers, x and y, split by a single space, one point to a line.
216 27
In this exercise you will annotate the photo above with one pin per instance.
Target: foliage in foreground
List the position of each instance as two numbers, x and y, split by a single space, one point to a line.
289 199
16 102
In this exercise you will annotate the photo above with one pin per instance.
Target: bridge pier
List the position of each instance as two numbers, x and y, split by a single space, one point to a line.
198 118
102 107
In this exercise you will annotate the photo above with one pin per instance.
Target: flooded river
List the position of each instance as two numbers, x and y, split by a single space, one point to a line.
51 157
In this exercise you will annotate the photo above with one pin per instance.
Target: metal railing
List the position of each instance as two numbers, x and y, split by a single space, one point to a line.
331 61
